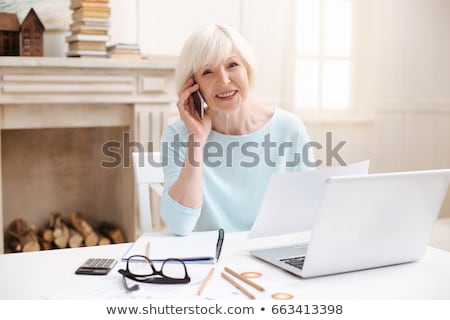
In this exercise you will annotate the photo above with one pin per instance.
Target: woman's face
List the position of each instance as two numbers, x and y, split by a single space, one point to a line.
224 86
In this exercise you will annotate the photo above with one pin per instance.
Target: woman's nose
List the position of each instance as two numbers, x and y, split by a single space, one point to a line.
224 77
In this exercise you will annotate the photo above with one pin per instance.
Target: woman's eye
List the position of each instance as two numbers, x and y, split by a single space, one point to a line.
233 64
207 71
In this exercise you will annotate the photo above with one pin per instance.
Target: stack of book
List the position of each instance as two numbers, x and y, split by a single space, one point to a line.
89 28
124 51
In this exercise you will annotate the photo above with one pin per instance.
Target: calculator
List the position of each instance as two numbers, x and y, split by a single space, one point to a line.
96 266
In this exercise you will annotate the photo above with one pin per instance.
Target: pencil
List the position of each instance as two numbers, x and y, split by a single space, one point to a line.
147 250
247 281
237 285
205 281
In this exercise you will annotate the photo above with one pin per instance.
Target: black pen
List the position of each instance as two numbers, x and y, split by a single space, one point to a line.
219 243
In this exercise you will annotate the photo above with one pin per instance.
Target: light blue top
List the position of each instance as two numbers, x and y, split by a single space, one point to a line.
236 169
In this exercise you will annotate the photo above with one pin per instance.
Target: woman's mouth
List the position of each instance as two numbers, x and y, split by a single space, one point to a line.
226 95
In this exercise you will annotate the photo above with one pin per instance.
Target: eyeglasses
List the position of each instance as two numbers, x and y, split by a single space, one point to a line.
140 268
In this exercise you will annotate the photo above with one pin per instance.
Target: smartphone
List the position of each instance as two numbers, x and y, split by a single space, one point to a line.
199 103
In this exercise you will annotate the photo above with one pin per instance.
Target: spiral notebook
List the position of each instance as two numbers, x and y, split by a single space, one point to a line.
198 247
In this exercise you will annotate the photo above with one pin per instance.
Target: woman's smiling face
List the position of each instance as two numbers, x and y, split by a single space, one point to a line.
224 86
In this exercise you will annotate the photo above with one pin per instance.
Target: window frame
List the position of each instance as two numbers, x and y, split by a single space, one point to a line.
319 111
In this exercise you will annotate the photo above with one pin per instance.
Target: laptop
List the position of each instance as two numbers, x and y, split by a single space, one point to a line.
366 221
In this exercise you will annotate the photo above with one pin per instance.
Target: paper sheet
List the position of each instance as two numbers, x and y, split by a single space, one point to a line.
292 199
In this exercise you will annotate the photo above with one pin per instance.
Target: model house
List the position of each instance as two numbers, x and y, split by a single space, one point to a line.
32 35
26 39
9 34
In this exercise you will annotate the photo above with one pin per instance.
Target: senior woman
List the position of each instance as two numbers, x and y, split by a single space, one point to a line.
217 168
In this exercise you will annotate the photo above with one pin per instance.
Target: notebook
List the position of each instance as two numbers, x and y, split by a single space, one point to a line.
197 247
366 221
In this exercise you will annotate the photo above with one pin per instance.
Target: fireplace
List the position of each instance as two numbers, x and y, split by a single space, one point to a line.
56 115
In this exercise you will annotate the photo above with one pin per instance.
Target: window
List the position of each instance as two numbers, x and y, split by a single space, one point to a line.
323 54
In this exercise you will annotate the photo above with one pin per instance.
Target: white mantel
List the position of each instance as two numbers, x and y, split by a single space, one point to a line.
38 93
73 80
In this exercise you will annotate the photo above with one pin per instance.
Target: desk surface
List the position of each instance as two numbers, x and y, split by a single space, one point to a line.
50 275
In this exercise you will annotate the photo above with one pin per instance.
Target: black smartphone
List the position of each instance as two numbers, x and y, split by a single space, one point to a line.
199 103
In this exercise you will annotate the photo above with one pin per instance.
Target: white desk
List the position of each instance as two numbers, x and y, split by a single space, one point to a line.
50 275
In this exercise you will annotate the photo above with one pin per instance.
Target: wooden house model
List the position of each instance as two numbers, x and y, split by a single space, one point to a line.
26 39
32 35
9 34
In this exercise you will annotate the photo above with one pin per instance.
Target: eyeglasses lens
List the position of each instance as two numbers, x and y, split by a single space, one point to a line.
139 266
173 269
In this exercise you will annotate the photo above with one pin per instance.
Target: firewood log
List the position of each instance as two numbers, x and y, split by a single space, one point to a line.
47 235
112 232
30 242
51 221
20 237
91 239
75 238
12 242
60 232
15 229
83 227
103 240
45 245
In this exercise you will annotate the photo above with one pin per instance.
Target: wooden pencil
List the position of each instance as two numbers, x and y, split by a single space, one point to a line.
147 250
247 281
205 281
237 285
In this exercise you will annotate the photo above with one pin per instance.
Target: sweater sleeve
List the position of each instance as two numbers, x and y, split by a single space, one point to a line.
180 219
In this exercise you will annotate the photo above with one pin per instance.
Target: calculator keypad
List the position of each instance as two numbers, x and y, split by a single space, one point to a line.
99 263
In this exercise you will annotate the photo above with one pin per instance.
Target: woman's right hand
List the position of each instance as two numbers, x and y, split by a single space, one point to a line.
187 189
196 126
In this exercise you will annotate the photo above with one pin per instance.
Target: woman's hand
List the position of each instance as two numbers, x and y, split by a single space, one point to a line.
187 189
196 126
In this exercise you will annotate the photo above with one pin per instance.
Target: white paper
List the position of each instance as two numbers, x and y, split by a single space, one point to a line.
292 199
198 246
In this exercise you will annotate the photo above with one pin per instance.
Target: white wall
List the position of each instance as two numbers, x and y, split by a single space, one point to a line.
164 25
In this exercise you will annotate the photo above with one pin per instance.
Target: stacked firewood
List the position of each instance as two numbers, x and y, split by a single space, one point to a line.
74 233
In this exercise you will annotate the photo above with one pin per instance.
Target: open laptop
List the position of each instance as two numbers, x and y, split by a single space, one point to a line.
367 221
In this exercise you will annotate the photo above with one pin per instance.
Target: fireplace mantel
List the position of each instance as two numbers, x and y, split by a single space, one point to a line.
62 93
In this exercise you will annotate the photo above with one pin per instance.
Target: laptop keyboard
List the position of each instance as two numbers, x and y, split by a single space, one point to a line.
295 261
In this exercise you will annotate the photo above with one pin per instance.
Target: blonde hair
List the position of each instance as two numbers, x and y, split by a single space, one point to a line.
209 46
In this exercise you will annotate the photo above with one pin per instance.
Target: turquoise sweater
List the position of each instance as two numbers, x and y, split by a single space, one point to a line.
236 171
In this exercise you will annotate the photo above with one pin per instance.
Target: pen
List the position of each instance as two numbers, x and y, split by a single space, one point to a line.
247 281
205 281
237 285
147 250
219 243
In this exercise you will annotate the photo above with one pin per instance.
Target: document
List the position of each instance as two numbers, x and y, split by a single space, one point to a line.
292 199
198 247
